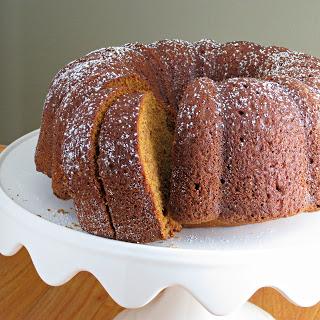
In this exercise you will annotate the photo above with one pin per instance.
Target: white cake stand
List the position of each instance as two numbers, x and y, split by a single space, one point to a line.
200 274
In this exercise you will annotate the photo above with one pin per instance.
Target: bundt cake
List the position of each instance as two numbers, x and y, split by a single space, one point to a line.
146 138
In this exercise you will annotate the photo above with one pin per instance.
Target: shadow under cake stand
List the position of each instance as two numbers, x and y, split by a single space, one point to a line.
205 273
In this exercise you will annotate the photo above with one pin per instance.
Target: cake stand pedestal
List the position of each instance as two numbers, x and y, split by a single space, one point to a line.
205 273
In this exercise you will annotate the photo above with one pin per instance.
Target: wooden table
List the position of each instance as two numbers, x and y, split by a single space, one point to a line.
23 295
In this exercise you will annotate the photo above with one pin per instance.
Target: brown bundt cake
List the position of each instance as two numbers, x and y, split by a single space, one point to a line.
144 138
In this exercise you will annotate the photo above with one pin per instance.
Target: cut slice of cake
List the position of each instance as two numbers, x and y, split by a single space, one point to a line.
79 154
75 105
134 166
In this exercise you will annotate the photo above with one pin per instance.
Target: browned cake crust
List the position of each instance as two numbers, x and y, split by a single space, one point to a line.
71 105
179 63
313 83
81 172
204 50
126 68
263 148
128 195
236 159
266 170
308 102
233 59
197 155
284 62
62 83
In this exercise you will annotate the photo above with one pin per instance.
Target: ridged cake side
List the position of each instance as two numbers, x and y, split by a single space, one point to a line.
261 138
197 155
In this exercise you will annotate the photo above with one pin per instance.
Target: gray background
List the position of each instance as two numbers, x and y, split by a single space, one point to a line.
39 37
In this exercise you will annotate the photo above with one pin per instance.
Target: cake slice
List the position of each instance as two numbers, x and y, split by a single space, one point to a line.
74 103
134 166
104 68
79 154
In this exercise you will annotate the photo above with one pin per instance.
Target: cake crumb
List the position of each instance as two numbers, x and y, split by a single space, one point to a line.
62 211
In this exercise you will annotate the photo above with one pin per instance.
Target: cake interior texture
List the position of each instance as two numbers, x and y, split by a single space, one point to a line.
148 137
155 143
133 168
